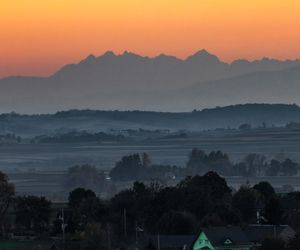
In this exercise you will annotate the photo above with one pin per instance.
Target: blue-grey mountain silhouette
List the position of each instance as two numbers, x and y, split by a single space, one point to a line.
131 81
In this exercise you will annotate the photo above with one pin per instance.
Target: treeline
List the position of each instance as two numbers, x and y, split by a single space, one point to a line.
136 167
10 139
78 137
93 223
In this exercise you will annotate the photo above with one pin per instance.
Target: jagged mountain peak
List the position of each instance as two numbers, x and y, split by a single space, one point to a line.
202 56
89 59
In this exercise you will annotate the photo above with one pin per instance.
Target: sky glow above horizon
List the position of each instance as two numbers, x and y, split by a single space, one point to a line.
38 37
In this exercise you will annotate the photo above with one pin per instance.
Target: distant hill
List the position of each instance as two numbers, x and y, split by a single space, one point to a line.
261 87
131 81
95 121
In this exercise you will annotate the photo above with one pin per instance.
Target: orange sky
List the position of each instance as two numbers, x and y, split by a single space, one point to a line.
39 36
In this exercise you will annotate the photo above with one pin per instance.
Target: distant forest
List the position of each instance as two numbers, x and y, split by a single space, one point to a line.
255 115
136 167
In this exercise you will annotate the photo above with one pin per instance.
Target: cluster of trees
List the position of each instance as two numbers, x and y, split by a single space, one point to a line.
78 137
85 176
252 165
194 202
285 168
199 162
31 213
136 167
293 125
139 167
9 138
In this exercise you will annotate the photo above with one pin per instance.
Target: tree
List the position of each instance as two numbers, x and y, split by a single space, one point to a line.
219 162
245 126
255 164
294 243
273 211
7 191
291 207
33 212
273 244
196 161
244 201
274 168
85 176
95 237
146 162
150 246
200 162
173 222
129 168
202 194
289 168
85 207
211 183
78 195
265 189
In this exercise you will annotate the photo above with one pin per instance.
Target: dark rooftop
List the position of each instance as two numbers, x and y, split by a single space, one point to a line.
218 235
256 233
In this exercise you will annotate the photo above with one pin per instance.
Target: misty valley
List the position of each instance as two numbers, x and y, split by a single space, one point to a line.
128 175
37 152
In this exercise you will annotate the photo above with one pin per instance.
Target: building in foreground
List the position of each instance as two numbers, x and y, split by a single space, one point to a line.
212 238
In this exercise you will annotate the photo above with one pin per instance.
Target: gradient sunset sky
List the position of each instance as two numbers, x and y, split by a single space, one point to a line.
39 36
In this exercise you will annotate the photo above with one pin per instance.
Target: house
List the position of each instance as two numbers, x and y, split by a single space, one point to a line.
258 233
221 238
212 238
167 242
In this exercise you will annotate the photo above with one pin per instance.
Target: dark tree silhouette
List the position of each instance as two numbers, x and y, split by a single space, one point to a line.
7 191
33 212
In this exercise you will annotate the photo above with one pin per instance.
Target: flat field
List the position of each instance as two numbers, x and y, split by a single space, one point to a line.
38 168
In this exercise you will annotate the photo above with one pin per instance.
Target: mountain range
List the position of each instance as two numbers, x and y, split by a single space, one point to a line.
164 83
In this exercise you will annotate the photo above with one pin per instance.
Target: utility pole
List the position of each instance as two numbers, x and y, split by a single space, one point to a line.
108 237
63 226
125 223
136 234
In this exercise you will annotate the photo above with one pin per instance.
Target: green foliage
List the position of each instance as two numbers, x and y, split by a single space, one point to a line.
173 222
265 189
150 246
85 207
273 211
273 244
33 212
294 243
7 191
151 205
95 237
244 201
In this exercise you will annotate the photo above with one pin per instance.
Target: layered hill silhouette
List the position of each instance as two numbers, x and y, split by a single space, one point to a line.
131 81
97 120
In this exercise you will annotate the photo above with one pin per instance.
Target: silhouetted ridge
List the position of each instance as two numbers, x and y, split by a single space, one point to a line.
130 81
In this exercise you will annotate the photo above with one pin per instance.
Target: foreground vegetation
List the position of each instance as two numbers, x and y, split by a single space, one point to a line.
196 201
